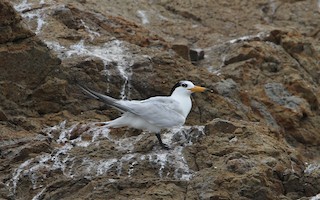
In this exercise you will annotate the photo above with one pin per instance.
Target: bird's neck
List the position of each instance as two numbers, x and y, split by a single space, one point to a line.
185 103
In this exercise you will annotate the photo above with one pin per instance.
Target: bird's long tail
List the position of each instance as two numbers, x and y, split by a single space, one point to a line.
96 95
106 99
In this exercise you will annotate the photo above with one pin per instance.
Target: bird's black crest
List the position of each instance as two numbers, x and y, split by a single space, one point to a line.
175 86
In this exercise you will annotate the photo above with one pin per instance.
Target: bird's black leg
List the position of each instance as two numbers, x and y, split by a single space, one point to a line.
163 145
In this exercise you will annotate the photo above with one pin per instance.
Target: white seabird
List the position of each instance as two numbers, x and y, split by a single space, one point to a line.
155 113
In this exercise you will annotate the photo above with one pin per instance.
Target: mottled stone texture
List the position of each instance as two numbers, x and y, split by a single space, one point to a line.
261 121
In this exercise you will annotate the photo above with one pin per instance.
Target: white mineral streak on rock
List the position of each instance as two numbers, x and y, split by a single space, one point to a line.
62 157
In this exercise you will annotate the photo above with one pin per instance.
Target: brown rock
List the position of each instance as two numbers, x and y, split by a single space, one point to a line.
65 16
50 96
3 116
219 125
24 62
11 26
182 50
239 165
186 53
261 125
196 54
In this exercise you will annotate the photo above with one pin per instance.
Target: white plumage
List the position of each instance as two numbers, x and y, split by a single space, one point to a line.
155 113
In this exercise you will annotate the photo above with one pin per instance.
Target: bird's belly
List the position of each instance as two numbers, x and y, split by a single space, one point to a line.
140 123
134 121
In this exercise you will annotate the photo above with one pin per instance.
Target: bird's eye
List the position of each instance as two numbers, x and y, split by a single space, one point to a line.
184 85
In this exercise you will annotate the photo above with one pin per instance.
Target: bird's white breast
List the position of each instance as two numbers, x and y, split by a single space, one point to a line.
184 104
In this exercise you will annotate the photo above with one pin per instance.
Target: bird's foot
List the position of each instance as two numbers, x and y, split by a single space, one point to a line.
165 146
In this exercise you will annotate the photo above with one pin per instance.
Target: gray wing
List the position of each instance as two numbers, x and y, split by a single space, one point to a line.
160 111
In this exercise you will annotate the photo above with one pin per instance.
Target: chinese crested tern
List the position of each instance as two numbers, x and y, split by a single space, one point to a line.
152 114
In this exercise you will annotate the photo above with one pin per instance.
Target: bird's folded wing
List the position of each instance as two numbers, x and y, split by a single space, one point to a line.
160 111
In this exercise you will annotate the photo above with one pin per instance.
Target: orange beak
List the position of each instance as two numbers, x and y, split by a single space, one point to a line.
198 89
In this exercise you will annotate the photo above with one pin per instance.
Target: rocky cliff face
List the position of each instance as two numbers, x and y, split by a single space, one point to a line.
255 136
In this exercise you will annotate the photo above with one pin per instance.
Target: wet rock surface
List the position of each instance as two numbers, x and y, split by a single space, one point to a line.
254 136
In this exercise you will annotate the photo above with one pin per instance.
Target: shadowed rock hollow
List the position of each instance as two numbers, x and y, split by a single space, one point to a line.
255 136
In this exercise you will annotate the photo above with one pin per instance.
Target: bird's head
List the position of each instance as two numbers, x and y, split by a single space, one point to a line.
186 87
